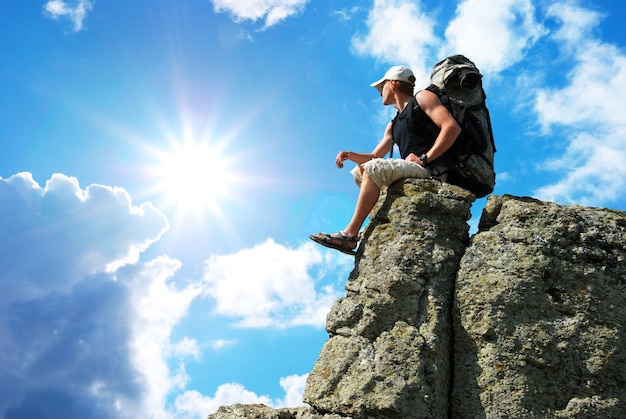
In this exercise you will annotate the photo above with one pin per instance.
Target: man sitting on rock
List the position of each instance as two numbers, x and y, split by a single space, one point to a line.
423 130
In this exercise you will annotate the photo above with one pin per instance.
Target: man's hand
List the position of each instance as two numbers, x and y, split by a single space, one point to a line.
341 157
413 158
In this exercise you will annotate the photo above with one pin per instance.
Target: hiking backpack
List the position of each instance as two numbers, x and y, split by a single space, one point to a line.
458 83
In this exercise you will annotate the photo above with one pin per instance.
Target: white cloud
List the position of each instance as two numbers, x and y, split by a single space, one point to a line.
345 14
193 404
576 23
599 72
584 181
270 285
76 14
69 232
222 343
399 32
187 346
494 33
274 11
294 388
157 307
83 332
588 111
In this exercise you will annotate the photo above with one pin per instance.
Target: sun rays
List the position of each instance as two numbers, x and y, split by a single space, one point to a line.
194 178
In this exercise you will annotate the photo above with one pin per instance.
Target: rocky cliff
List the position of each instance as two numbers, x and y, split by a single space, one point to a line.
522 321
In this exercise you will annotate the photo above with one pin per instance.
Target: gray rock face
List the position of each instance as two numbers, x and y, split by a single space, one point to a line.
523 321
390 338
259 411
540 307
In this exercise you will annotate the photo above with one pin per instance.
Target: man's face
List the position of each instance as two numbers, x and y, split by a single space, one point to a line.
387 92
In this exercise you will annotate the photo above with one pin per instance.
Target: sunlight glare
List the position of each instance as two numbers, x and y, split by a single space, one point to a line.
194 177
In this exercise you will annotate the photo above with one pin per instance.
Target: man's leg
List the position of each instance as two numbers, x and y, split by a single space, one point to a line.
347 240
384 172
368 196
357 174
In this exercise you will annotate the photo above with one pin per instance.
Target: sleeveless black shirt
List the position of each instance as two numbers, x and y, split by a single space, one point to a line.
414 132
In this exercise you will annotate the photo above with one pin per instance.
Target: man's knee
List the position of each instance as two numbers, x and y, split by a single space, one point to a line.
357 175
369 182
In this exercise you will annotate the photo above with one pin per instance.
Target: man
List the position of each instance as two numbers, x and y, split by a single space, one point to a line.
423 130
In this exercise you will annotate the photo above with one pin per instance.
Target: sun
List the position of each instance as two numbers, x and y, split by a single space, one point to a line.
194 176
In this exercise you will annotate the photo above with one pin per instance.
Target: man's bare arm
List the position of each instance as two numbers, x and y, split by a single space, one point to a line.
381 149
450 129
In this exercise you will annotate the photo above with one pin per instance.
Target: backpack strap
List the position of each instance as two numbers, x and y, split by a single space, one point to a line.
414 105
393 122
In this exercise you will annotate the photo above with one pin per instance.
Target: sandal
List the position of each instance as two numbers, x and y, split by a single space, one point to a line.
331 241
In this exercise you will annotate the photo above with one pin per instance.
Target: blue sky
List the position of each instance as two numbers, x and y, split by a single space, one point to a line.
163 163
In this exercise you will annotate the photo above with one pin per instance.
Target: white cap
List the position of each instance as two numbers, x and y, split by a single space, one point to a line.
397 72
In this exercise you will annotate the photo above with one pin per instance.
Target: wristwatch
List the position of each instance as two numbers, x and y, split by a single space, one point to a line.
424 159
